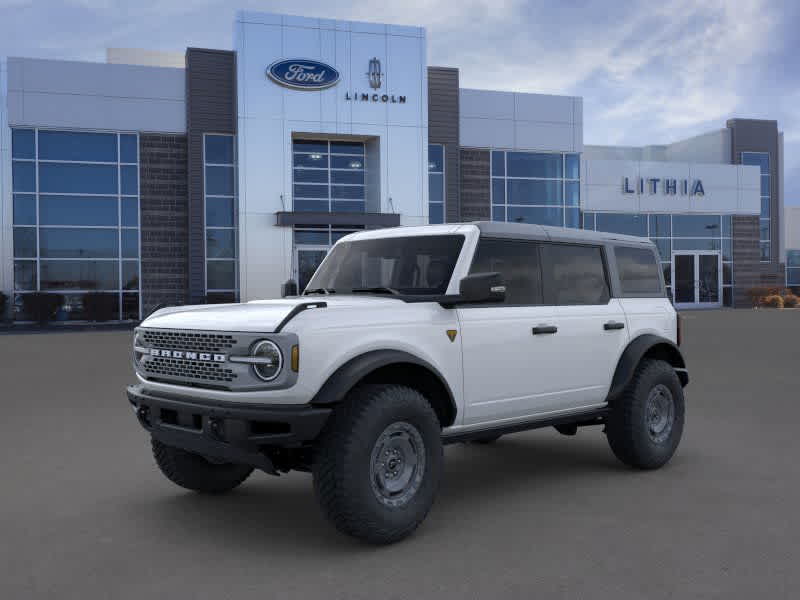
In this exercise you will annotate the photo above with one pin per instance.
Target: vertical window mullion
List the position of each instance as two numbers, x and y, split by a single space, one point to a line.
119 230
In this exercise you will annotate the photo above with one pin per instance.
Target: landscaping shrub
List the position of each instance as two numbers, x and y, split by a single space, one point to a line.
41 306
790 301
773 301
757 295
99 306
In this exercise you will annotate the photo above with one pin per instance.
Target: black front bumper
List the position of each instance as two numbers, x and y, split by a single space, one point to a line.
233 433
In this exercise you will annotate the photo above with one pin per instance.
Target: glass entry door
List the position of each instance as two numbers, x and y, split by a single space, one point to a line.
697 279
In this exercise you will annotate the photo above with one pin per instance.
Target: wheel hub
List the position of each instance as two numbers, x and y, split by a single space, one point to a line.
397 464
660 413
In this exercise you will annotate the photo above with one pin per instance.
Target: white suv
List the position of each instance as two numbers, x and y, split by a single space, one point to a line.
407 339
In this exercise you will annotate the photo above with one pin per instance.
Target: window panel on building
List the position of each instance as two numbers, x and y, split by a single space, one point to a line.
624 223
74 238
762 160
327 173
219 156
436 183
793 268
311 245
536 187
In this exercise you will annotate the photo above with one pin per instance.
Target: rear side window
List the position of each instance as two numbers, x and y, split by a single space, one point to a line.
518 265
638 271
574 274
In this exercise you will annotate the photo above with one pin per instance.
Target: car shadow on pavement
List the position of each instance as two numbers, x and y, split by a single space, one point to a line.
270 515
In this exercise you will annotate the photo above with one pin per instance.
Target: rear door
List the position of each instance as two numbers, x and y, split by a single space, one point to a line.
510 371
592 329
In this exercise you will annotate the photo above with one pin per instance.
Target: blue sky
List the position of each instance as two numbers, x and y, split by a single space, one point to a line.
649 72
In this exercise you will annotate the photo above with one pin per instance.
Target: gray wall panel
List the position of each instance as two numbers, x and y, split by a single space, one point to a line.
443 128
210 108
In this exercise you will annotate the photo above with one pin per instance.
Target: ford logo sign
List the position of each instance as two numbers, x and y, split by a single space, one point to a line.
303 74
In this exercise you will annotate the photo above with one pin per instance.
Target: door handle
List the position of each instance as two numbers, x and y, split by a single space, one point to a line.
540 329
613 325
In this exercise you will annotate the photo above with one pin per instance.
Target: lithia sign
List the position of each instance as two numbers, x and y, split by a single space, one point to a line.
306 74
667 186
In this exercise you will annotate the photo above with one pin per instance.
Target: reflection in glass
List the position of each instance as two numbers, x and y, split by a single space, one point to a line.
78 146
25 275
220 243
55 242
24 209
68 178
219 212
219 149
25 242
532 164
77 210
23 143
79 275
221 274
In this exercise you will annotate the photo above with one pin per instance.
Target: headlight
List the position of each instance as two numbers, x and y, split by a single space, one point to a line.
138 342
270 360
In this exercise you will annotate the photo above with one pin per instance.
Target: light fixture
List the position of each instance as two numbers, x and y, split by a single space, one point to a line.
316 156
355 164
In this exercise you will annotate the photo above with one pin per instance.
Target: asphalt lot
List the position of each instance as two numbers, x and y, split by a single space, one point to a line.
84 513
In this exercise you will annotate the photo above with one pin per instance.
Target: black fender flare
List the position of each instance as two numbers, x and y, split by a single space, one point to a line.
350 373
647 344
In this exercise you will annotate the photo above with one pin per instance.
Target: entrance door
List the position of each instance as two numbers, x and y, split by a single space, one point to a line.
697 279
307 261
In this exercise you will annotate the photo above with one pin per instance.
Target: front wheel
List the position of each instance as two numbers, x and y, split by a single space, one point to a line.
645 424
378 463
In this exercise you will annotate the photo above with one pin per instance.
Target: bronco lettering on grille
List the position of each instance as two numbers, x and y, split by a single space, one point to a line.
185 355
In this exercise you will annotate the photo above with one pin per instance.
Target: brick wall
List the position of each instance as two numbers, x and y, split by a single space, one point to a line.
165 233
748 270
443 128
475 199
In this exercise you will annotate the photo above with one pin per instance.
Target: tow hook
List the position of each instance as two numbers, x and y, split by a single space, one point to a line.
216 428
143 414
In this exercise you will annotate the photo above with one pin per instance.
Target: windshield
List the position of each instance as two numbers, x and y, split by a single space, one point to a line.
395 265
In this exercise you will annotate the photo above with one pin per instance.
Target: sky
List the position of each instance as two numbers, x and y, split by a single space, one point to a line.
649 72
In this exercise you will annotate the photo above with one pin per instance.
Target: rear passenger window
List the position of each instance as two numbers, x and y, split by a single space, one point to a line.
518 265
638 271
574 275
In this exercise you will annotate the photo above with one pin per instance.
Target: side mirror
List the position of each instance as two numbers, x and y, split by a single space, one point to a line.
482 287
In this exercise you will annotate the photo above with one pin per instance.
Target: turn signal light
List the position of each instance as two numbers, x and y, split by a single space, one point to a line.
295 358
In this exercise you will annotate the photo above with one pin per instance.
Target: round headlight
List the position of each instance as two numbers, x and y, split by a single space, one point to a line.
271 360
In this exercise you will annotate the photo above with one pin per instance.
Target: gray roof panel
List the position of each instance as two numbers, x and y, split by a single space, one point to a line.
561 234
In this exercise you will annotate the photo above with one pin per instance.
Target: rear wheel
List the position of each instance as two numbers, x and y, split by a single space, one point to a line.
645 424
378 463
194 472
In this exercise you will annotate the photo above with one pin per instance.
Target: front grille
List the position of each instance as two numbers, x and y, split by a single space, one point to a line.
181 340
188 369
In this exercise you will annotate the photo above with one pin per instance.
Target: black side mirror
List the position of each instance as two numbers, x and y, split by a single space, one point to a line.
289 288
483 287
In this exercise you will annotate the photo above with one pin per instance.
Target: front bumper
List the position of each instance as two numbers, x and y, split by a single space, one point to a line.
223 431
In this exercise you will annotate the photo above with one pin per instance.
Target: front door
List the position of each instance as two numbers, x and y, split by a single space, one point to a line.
697 279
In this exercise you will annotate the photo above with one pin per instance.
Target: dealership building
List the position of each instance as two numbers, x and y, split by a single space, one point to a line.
217 175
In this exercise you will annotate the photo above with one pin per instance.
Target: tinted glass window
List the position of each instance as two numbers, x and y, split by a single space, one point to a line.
77 179
130 212
80 275
347 148
536 214
435 158
660 226
130 243
130 275
24 275
219 149
518 265
25 242
129 180
532 191
23 176
22 143
628 224
128 151
696 225
409 265
530 164
78 243
498 163
77 210
573 163
573 275
219 181
221 274
219 212
638 271
220 243
24 209
73 145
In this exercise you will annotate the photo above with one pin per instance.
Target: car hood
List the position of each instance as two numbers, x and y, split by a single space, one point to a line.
258 316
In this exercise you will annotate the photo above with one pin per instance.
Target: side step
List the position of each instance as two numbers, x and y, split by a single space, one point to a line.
596 416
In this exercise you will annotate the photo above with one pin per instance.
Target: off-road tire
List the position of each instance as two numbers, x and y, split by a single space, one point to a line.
194 472
344 466
628 427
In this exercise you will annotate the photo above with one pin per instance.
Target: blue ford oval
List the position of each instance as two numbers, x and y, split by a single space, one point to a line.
303 74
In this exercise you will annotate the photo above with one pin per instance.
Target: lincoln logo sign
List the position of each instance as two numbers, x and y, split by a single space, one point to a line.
669 187
302 74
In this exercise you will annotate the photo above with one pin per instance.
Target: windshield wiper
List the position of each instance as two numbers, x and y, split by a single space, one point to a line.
323 290
376 290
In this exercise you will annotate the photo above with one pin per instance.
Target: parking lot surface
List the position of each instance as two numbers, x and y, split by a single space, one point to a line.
84 512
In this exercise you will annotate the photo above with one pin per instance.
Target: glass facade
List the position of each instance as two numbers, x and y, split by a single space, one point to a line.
76 218
536 187
674 232
761 160
328 176
311 245
435 183
219 159
793 268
